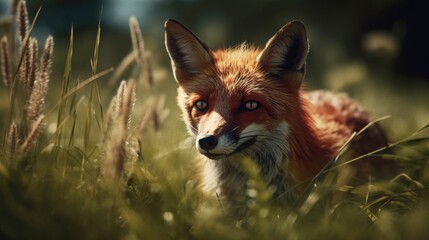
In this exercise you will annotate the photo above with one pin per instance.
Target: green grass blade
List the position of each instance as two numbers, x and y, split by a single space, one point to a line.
79 86
93 89
94 60
65 87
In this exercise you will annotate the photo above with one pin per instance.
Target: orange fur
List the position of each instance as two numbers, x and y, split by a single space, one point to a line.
249 101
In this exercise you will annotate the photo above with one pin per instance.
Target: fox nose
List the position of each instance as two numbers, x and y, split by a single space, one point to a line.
207 142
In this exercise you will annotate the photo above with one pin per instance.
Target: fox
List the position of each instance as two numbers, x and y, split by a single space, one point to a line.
248 101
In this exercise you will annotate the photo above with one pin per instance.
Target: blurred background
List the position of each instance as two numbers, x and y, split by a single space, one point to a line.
377 51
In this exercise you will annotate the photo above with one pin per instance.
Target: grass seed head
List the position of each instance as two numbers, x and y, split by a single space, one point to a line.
148 69
46 60
12 138
33 50
137 40
117 125
40 87
129 102
5 62
120 95
22 20
114 162
36 129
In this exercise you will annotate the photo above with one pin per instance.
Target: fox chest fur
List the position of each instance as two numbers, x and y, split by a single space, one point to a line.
249 102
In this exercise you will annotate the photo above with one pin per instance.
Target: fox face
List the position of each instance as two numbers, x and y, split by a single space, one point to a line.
235 100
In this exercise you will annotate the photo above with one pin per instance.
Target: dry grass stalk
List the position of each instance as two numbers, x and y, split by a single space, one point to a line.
115 156
36 129
138 54
147 69
145 117
129 102
137 40
160 113
40 88
123 66
155 113
124 101
109 117
5 62
119 102
114 163
118 123
12 138
46 60
33 52
22 20
25 68
133 150
23 26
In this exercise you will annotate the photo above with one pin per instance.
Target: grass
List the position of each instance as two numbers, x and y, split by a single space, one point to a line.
83 169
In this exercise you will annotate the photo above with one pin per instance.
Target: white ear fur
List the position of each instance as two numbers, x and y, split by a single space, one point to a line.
187 52
286 51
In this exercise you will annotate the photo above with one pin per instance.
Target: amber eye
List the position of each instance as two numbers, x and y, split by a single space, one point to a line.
250 105
201 105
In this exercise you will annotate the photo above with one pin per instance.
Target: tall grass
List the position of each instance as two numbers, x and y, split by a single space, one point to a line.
102 171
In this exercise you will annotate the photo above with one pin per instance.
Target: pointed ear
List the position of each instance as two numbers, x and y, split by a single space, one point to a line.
188 54
286 51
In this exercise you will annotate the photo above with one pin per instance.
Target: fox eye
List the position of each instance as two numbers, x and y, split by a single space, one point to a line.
201 105
250 105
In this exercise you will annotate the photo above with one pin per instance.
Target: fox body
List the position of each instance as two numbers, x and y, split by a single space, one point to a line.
247 101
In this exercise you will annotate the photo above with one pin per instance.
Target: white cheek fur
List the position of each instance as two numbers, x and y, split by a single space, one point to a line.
270 148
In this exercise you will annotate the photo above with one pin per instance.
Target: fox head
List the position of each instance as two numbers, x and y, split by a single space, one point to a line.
239 100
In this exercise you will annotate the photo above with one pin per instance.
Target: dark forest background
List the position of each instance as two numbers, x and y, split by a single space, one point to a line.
386 32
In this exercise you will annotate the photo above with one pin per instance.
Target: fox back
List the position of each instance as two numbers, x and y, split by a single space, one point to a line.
247 101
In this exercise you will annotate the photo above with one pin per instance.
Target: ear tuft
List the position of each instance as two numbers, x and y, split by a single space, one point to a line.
286 51
187 52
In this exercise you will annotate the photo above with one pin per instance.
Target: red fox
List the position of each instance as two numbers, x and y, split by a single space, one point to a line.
247 101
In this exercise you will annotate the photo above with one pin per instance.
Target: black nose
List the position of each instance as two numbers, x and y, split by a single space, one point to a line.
207 142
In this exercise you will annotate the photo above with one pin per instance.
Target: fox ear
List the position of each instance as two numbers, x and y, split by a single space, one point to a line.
286 51
188 54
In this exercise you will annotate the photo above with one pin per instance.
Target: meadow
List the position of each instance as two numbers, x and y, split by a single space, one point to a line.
106 156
